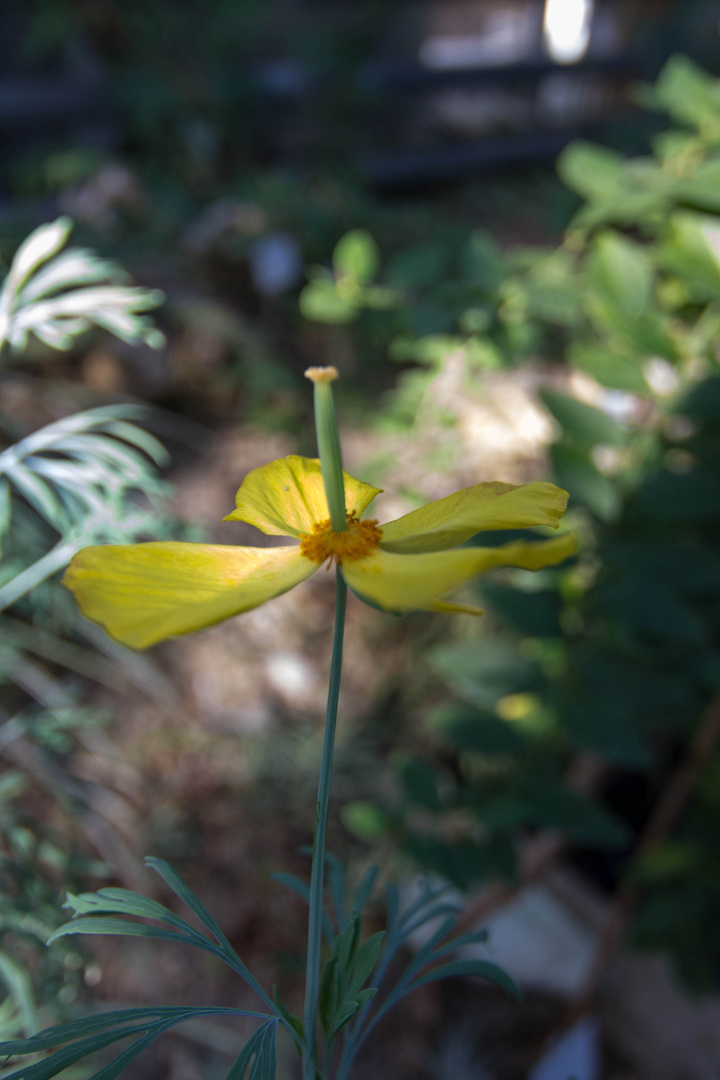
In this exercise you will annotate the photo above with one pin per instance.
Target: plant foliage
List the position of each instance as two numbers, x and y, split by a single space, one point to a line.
616 656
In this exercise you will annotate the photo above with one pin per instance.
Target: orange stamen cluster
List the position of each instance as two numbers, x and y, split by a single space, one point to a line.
354 542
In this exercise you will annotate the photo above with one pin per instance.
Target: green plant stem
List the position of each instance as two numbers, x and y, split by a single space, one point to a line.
328 440
49 564
312 977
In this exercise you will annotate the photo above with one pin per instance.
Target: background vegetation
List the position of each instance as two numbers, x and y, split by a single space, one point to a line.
584 310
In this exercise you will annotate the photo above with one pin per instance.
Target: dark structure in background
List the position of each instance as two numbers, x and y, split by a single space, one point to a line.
434 91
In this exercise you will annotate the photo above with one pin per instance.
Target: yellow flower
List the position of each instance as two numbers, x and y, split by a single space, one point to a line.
143 593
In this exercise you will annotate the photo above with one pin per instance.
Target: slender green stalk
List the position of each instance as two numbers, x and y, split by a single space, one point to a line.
45 567
328 440
312 978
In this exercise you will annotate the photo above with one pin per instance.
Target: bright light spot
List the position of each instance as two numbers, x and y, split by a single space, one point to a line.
566 28
516 706
608 460
661 377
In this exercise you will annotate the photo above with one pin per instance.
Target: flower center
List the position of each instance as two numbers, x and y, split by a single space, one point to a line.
354 542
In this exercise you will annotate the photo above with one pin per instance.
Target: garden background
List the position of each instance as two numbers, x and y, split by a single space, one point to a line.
511 252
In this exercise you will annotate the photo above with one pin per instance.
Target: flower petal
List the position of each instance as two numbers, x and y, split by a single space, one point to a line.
287 497
143 593
403 582
448 522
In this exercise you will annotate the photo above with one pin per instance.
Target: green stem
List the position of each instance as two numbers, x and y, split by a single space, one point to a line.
312 978
45 567
330 455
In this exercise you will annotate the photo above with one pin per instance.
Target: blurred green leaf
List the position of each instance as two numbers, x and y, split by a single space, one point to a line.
418 266
606 727
701 190
418 781
690 95
647 607
484 671
357 256
532 614
592 171
482 260
702 401
480 732
620 270
552 806
320 302
583 425
552 292
364 820
689 250
672 859
691 497
465 863
480 969
608 367
576 473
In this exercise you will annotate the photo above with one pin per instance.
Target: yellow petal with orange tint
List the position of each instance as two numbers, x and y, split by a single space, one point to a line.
404 582
143 593
448 522
287 497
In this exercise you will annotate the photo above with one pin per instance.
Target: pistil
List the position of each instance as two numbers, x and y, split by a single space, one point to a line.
328 440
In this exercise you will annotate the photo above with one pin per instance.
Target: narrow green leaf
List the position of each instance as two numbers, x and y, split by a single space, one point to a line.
481 968
392 907
260 1049
292 882
37 492
344 1013
326 1001
142 439
171 878
76 1029
98 924
126 902
346 944
429 915
61 1059
5 507
116 1066
16 978
264 1066
294 1021
445 928
474 937
365 962
364 889
336 884
301 889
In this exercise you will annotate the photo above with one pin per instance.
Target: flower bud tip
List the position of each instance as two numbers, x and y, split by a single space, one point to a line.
322 374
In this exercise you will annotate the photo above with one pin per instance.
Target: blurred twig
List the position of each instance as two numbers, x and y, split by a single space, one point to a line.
668 809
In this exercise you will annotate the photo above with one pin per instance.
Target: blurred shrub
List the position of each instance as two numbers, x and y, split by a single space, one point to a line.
617 655
86 478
